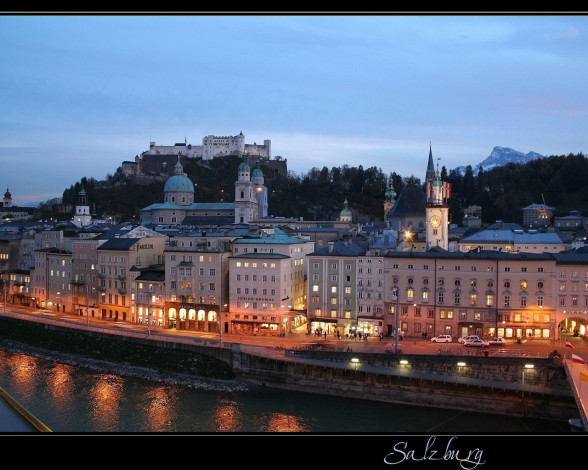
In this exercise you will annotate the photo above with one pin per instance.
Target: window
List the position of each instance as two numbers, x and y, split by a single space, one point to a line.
489 300
540 300
523 300
473 299
523 284
456 298
507 300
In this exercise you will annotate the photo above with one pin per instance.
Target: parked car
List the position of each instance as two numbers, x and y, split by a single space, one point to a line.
496 342
476 343
463 339
442 339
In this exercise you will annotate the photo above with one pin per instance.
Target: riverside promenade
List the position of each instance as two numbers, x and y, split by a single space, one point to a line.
282 347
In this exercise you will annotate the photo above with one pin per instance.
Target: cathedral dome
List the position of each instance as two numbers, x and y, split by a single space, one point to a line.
178 183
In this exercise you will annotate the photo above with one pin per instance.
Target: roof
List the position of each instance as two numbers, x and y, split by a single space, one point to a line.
122 244
572 256
411 201
279 237
261 256
195 206
155 275
340 248
508 236
478 255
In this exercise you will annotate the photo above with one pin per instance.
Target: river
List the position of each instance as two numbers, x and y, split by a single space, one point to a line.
76 399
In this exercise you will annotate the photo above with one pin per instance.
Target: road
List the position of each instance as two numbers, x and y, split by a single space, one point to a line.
300 339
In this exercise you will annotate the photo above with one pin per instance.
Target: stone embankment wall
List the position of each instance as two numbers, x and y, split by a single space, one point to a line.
484 384
480 383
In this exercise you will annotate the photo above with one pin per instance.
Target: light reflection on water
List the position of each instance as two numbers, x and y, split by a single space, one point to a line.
76 400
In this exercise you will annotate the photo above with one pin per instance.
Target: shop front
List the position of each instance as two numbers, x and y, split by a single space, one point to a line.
325 327
370 326
192 317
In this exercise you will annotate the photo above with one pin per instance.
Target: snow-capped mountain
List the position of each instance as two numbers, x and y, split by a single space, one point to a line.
500 156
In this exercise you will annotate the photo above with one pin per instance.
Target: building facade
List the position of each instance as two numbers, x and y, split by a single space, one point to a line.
267 283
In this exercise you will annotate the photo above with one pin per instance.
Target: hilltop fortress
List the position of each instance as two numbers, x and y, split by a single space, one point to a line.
157 163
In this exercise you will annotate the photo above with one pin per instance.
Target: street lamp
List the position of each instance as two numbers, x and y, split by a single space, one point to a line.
149 291
397 315
87 309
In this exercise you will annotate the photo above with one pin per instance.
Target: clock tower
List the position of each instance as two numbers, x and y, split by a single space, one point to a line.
437 211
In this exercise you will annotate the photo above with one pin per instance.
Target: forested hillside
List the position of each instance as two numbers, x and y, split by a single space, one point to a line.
562 181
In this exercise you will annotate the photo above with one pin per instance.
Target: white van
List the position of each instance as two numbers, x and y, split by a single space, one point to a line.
442 339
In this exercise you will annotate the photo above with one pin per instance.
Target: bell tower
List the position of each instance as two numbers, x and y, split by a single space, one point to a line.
437 210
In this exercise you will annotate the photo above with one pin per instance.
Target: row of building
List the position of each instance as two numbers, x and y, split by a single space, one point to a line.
242 271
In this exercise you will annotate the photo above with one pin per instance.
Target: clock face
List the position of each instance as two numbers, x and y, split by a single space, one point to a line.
435 221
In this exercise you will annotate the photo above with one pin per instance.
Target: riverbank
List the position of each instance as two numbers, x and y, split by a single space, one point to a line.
126 369
491 385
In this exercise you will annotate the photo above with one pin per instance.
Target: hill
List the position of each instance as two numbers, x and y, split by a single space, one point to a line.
501 191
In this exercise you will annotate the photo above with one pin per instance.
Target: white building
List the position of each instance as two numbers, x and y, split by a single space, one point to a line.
267 287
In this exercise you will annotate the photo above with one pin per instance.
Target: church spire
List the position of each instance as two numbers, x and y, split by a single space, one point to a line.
430 175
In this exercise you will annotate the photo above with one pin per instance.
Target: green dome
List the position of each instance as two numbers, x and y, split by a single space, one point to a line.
345 212
178 183
244 166
257 171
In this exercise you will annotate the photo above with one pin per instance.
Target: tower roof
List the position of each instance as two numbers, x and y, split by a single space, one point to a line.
257 173
244 166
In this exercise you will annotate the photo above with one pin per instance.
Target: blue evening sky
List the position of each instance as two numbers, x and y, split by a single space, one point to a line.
81 94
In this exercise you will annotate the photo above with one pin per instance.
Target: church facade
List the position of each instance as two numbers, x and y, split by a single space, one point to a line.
178 205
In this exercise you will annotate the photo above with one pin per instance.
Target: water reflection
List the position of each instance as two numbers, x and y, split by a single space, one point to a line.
227 417
76 400
281 422
160 409
105 397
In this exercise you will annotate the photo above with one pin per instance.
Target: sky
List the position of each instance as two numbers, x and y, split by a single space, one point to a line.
80 94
